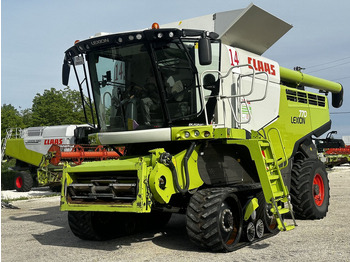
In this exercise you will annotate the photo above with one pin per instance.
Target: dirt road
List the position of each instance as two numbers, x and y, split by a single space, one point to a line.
38 231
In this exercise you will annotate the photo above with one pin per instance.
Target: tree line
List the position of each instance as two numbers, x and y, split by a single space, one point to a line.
52 107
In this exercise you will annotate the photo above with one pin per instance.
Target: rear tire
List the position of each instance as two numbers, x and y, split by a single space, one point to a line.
214 219
310 189
23 181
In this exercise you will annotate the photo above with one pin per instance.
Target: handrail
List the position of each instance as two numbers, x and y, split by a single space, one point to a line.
222 97
285 160
267 84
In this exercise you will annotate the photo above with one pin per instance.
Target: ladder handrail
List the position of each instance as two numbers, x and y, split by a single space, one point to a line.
285 160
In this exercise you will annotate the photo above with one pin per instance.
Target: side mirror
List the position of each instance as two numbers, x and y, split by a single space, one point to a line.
65 73
204 51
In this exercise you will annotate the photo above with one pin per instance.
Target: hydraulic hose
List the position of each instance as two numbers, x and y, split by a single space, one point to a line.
166 159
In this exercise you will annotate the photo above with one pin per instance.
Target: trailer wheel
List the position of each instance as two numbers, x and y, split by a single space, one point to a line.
214 219
263 212
23 181
100 225
310 189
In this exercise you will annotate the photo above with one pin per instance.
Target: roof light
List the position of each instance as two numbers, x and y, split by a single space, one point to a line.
131 37
171 34
120 40
155 26
76 41
160 35
138 36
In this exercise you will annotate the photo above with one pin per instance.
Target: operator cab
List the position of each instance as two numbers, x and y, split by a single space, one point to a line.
147 79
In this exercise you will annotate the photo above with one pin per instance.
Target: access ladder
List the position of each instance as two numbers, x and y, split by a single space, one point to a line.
275 191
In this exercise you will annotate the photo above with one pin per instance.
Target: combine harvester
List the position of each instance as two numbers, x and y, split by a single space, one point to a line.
211 129
41 151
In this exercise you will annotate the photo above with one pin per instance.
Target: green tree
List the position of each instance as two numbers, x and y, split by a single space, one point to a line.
10 117
27 116
57 107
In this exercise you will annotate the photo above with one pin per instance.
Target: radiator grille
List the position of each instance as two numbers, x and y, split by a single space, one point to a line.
305 98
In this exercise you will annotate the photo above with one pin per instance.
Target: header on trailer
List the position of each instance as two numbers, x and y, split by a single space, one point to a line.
252 28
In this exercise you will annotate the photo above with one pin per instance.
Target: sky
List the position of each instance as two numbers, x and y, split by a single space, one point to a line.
35 34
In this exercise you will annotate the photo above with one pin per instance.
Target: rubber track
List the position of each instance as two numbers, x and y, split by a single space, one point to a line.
201 219
303 203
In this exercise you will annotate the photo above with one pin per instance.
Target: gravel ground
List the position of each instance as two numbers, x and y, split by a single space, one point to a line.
38 231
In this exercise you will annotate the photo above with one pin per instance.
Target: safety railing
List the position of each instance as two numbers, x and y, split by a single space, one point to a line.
228 98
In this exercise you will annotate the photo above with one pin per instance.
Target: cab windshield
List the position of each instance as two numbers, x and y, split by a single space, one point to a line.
140 86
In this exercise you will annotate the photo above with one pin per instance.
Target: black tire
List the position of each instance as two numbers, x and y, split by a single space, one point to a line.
309 189
101 225
214 219
23 181
263 212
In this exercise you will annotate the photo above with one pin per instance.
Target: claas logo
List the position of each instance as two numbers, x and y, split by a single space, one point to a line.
57 141
262 66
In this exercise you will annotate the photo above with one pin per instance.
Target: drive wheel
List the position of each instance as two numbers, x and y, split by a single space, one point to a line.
23 181
100 225
214 219
310 189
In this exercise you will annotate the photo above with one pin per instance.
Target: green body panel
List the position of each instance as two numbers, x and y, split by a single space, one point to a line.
16 148
252 205
149 173
163 195
139 165
234 133
299 116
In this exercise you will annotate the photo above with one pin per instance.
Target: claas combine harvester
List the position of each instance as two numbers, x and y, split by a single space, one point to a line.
40 153
211 129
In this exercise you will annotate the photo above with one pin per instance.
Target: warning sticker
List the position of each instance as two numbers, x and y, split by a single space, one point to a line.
245 109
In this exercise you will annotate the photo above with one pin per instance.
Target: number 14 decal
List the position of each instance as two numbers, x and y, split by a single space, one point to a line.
233 57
